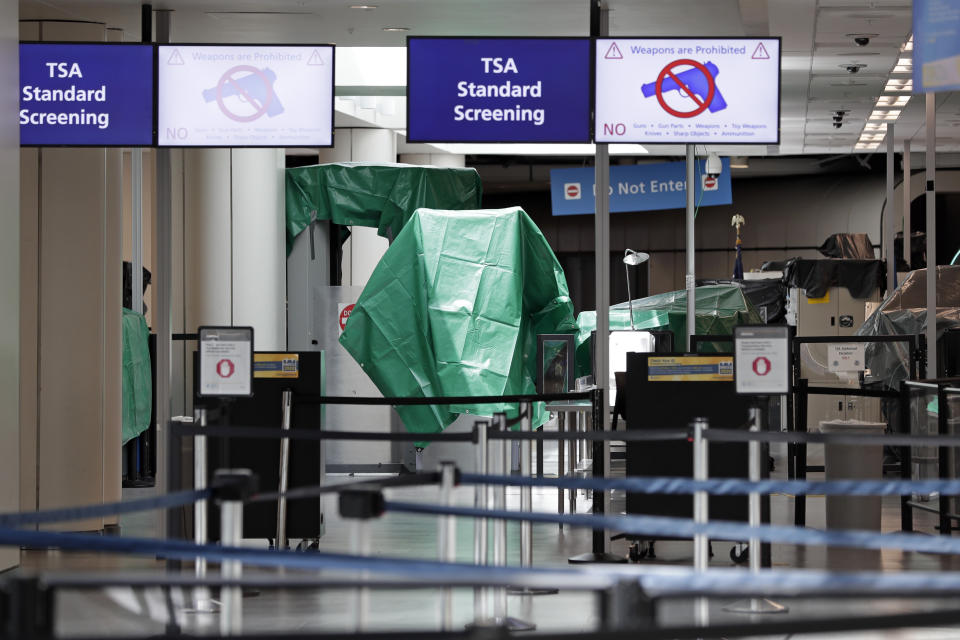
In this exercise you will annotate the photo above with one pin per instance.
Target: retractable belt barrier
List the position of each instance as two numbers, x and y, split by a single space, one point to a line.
232 493
667 527
646 435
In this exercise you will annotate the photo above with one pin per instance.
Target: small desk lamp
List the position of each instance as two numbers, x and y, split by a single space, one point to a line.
632 258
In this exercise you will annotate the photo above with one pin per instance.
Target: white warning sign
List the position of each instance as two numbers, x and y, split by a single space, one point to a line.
762 360
846 357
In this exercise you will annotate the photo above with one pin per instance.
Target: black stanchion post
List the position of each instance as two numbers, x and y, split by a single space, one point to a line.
627 607
175 520
800 502
26 608
599 553
906 454
943 429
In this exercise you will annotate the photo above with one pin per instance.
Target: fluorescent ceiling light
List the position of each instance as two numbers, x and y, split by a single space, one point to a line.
908 45
899 85
739 162
396 28
892 101
875 126
523 149
885 114
866 146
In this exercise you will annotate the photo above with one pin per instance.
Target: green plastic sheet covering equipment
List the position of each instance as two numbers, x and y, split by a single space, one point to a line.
454 308
719 309
374 195
135 381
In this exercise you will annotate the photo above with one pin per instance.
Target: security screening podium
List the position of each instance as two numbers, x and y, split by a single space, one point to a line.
668 391
274 373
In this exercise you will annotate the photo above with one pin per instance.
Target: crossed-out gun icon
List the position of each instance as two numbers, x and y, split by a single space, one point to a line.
694 81
250 88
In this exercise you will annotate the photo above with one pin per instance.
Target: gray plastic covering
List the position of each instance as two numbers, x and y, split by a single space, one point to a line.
904 313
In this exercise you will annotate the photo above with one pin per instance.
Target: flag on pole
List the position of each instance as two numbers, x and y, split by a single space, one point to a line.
737 222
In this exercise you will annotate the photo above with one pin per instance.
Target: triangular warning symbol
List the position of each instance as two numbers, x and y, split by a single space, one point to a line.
613 53
175 58
315 60
760 53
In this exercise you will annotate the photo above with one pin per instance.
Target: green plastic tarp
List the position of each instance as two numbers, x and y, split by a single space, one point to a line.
135 379
374 195
719 309
454 308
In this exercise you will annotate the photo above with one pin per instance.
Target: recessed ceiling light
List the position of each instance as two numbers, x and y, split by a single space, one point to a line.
396 29
364 7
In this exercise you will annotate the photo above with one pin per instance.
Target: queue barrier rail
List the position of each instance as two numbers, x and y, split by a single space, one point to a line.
494 433
466 572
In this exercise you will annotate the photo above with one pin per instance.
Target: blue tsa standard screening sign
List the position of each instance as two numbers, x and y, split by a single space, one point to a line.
498 89
639 187
688 90
245 96
86 94
936 45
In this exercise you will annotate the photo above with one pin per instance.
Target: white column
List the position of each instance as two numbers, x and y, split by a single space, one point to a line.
9 272
234 252
450 160
70 347
363 250
259 246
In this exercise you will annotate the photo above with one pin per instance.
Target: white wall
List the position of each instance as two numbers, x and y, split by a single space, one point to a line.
9 271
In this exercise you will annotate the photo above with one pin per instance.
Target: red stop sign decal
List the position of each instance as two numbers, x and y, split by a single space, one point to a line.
761 366
709 183
225 368
345 315
573 191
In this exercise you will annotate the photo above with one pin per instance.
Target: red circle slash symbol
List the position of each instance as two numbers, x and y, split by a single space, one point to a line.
225 368
345 315
709 182
237 88
761 366
701 105
573 190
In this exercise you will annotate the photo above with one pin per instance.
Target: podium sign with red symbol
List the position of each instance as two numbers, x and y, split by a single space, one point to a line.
762 359
226 361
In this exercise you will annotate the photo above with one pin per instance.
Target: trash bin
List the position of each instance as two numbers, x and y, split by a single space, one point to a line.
853 462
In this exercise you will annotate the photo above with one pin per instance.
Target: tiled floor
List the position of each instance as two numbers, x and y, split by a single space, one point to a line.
124 611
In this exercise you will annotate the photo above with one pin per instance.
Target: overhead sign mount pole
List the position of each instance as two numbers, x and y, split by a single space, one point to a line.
601 456
691 279
888 232
931 170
